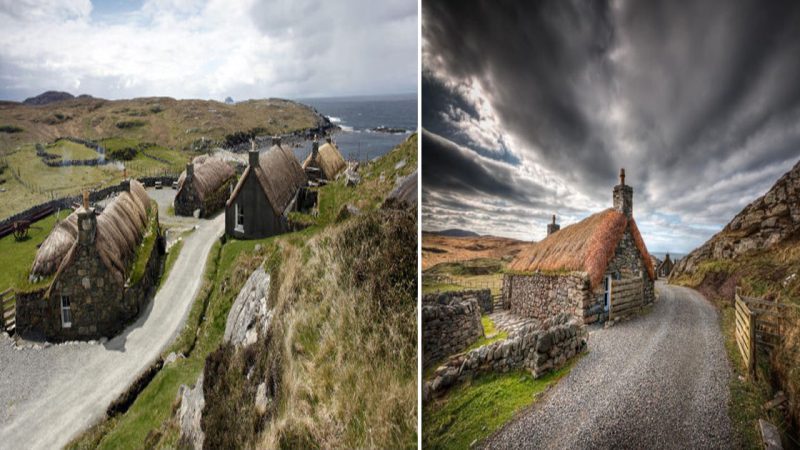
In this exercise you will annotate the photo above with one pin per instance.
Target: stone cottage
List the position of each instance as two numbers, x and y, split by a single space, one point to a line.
86 268
572 270
324 163
266 192
665 267
204 186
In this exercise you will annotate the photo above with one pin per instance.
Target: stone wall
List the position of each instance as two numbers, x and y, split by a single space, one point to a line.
543 296
627 263
533 348
450 324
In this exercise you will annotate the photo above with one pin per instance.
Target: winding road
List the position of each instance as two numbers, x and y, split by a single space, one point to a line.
657 381
50 395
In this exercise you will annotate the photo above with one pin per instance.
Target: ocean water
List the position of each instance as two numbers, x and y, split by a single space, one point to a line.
357 116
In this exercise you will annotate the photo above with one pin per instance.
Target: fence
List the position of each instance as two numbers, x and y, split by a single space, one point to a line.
7 311
762 325
626 297
745 333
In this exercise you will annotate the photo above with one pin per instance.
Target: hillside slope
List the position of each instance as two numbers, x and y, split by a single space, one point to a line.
437 248
160 120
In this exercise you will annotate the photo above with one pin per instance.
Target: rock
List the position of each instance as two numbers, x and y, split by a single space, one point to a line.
351 178
172 357
400 164
190 414
262 401
249 316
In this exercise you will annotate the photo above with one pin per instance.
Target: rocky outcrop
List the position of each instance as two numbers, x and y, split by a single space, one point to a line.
190 415
249 316
767 221
48 97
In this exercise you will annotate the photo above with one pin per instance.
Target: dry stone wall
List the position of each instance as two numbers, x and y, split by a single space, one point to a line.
450 323
542 296
539 349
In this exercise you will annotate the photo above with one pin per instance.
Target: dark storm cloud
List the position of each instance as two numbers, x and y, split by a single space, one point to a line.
699 101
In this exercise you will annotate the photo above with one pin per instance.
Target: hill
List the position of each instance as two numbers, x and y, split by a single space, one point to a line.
758 251
438 248
455 232
164 121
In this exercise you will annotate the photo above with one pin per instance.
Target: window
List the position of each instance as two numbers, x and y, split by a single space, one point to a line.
66 313
239 218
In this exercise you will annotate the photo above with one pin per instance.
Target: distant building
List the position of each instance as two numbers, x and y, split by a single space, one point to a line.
324 162
265 194
553 227
88 261
665 268
574 269
205 186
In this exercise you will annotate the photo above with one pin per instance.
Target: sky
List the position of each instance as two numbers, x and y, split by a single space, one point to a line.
530 109
211 50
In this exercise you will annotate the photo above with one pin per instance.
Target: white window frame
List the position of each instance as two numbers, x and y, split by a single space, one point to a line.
66 312
238 217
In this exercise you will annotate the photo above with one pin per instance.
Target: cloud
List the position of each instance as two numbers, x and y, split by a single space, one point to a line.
246 48
697 100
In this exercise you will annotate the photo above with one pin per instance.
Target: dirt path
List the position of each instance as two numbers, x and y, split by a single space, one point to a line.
658 381
50 395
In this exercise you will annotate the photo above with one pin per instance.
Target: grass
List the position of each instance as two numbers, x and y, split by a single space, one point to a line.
431 284
476 409
71 150
490 334
146 246
16 257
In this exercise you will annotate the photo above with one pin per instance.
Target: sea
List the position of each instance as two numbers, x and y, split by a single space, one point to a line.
358 116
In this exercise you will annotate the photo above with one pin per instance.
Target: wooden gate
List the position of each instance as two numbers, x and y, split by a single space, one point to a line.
746 333
7 311
626 297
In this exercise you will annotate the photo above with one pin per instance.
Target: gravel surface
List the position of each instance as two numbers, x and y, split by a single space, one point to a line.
48 395
656 381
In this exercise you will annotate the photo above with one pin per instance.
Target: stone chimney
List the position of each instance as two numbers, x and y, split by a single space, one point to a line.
189 170
87 222
126 185
253 155
314 148
328 139
276 140
623 196
553 227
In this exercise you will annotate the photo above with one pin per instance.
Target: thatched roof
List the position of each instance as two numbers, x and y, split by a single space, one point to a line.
279 175
587 246
329 160
209 175
120 228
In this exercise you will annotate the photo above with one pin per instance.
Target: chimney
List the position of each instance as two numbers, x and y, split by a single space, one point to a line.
253 155
623 196
314 148
87 222
328 139
189 170
126 185
553 227
276 140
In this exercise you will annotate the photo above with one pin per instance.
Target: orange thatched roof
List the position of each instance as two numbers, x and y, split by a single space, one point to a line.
279 175
209 175
329 160
120 228
587 246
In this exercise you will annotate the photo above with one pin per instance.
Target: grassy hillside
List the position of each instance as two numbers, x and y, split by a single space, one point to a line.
343 345
161 120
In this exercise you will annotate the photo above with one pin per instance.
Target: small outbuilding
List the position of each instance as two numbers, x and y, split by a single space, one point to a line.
204 186
96 269
665 267
265 194
584 269
325 162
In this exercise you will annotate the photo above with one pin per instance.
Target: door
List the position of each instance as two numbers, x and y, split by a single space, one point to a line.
607 286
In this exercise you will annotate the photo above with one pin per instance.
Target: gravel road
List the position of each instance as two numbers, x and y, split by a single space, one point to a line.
657 381
50 395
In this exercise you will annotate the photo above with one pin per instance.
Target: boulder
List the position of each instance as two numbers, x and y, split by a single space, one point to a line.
190 415
249 316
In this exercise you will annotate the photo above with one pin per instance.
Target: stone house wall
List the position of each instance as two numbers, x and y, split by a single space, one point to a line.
539 350
188 199
543 296
450 324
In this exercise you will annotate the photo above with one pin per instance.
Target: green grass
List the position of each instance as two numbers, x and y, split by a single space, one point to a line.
146 247
16 258
71 150
476 409
490 334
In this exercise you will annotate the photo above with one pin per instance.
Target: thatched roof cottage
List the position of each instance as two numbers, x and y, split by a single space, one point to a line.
204 186
267 190
95 269
324 162
585 268
665 267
